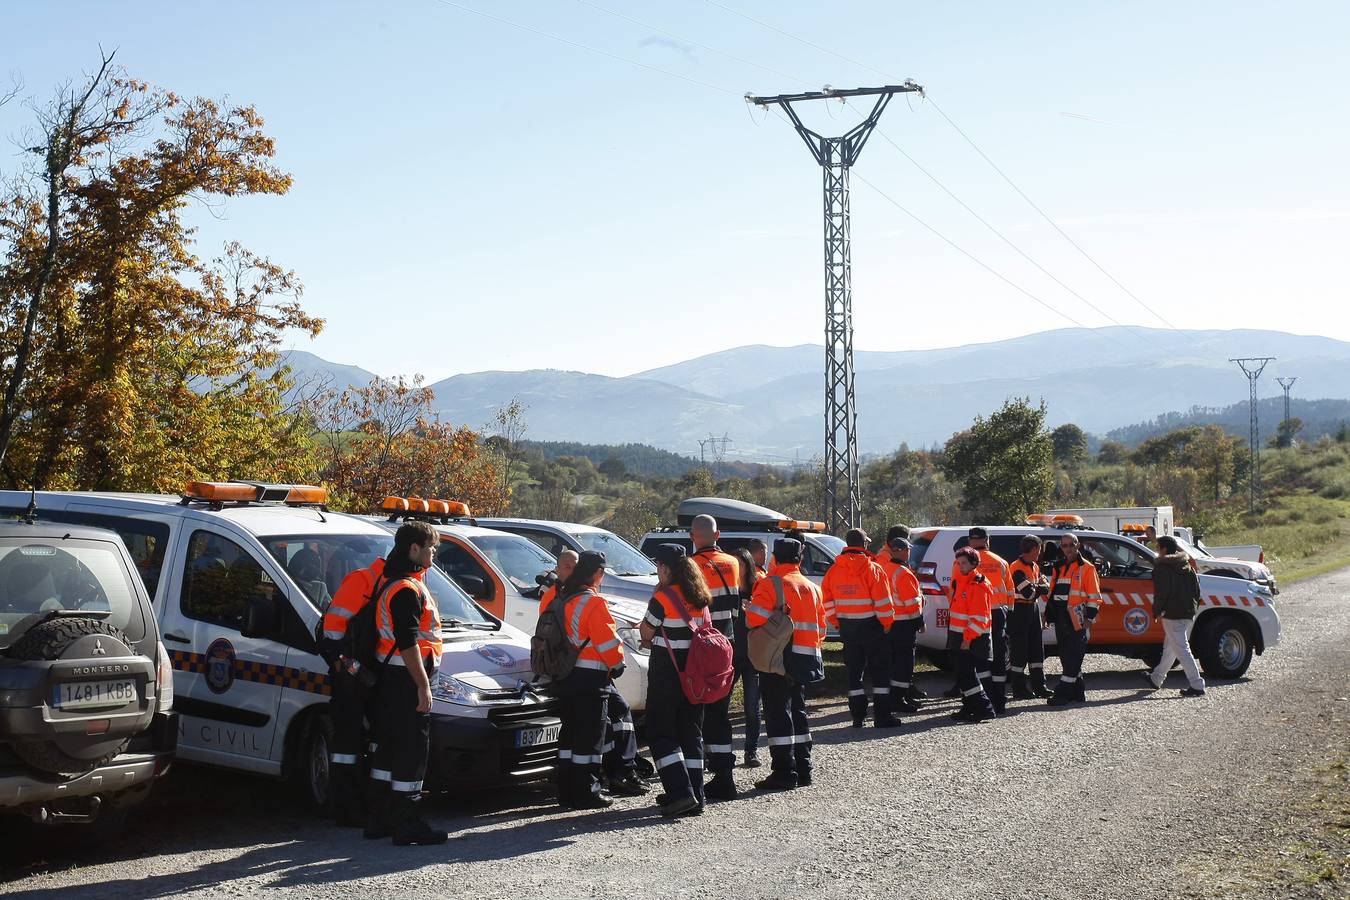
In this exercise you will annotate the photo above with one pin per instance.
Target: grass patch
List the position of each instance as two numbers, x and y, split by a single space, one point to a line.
1303 535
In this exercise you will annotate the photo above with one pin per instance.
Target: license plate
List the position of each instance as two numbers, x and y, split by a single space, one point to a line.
88 694
533 737
942 619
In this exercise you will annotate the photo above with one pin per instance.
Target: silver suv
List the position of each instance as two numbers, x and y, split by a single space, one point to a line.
85 685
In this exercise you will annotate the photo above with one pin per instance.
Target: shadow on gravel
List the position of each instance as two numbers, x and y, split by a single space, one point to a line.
201 811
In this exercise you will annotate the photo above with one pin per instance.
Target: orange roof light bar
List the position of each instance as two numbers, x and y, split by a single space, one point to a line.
456 509
221 491
1067 520
798 525
438 507
394 505
417 505
1040 519
306 495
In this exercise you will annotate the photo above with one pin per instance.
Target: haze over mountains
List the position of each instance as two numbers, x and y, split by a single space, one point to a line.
769 400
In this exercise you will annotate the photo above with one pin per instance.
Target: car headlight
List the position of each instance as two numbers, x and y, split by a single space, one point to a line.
452 690
632 639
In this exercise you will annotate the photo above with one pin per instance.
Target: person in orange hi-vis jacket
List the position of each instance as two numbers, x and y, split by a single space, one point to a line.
968 635
784 698
995 569
907 600
858 603
1025 623
1075 596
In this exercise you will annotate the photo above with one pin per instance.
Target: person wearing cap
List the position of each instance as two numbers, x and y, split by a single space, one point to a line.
885 558
722 574
1026 624
907 600
788 729
674 725
858 603
1075 597
995 570
584 694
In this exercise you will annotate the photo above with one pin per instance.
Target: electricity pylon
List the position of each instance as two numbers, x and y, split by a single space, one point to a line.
1252 367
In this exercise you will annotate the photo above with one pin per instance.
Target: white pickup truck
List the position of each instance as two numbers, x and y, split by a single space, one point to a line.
1210 561
1249 552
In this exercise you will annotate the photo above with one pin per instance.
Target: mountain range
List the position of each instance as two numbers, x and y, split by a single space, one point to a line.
769 400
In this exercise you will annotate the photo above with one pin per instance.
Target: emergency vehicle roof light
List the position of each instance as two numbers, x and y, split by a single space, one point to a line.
798 525
394 505
438 507
306 495
221 492
1068 520
1039 519
416 505
458 509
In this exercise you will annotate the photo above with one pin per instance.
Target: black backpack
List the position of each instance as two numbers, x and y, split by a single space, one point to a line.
552 653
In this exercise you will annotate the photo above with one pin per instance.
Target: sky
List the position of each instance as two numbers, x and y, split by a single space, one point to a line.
587 189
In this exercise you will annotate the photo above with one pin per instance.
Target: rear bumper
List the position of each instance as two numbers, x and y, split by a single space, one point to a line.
146 759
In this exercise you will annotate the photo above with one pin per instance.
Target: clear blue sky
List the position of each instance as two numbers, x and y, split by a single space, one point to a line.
473 196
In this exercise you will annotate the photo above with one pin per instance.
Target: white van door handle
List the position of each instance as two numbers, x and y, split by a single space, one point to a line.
176 638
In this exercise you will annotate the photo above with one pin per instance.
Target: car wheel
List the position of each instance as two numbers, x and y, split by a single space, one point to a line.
1224 647
314 771
69 755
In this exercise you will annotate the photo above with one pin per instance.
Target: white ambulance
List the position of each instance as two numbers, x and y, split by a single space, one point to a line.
239 574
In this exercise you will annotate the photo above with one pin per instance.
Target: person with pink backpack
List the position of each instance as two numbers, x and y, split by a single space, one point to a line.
690 669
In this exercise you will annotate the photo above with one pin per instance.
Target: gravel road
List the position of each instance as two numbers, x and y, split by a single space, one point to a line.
1136 795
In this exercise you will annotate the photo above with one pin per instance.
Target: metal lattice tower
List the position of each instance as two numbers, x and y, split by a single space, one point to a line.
835 156
1252 367
1287 384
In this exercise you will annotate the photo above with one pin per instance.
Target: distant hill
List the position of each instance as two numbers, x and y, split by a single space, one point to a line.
1320 417
638 459
768 400
310 370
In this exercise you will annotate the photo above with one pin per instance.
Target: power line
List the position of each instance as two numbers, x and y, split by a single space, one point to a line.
969 140
966 253
1001 236
580 46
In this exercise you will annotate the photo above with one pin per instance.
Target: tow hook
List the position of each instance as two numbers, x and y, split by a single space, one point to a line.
47 815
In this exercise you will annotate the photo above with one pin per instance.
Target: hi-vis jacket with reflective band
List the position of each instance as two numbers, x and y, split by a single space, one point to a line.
1024 576
428 626
855 587
549 594
972 599
722 573
590 626
1077 582
785 583
671 631
995 570
351 597
905 594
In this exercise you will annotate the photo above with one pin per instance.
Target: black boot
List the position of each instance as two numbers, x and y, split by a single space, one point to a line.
378 799
722 787
997 698
916 694
409 827
1080 690
1020 691
627 784
964 712
982 709
1063 695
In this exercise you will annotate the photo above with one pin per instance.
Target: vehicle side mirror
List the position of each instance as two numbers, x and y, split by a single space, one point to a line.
262 618
474 586
819 567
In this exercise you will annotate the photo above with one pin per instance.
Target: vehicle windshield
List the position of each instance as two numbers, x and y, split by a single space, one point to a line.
318 563
621 557
519 559
1190 549
45 577
830 542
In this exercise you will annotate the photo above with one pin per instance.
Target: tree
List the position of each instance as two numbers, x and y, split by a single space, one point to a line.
1166 449
1112 453
1070 444
613 469
1213 455
383 440
508 428
1286 431
130 363
1004 462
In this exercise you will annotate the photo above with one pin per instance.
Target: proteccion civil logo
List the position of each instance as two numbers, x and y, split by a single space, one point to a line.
1136 621
494 653
219 673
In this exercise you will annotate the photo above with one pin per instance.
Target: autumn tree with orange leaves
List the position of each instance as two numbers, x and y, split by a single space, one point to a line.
129 363
383 439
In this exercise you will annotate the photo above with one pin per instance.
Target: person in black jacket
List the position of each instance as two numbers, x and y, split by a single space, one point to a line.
1176 595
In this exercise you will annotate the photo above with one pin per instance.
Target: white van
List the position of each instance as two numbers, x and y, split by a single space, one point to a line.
239 574
628 573
500 570
740 522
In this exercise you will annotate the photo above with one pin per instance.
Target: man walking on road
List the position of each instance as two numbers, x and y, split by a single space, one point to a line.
1176 594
